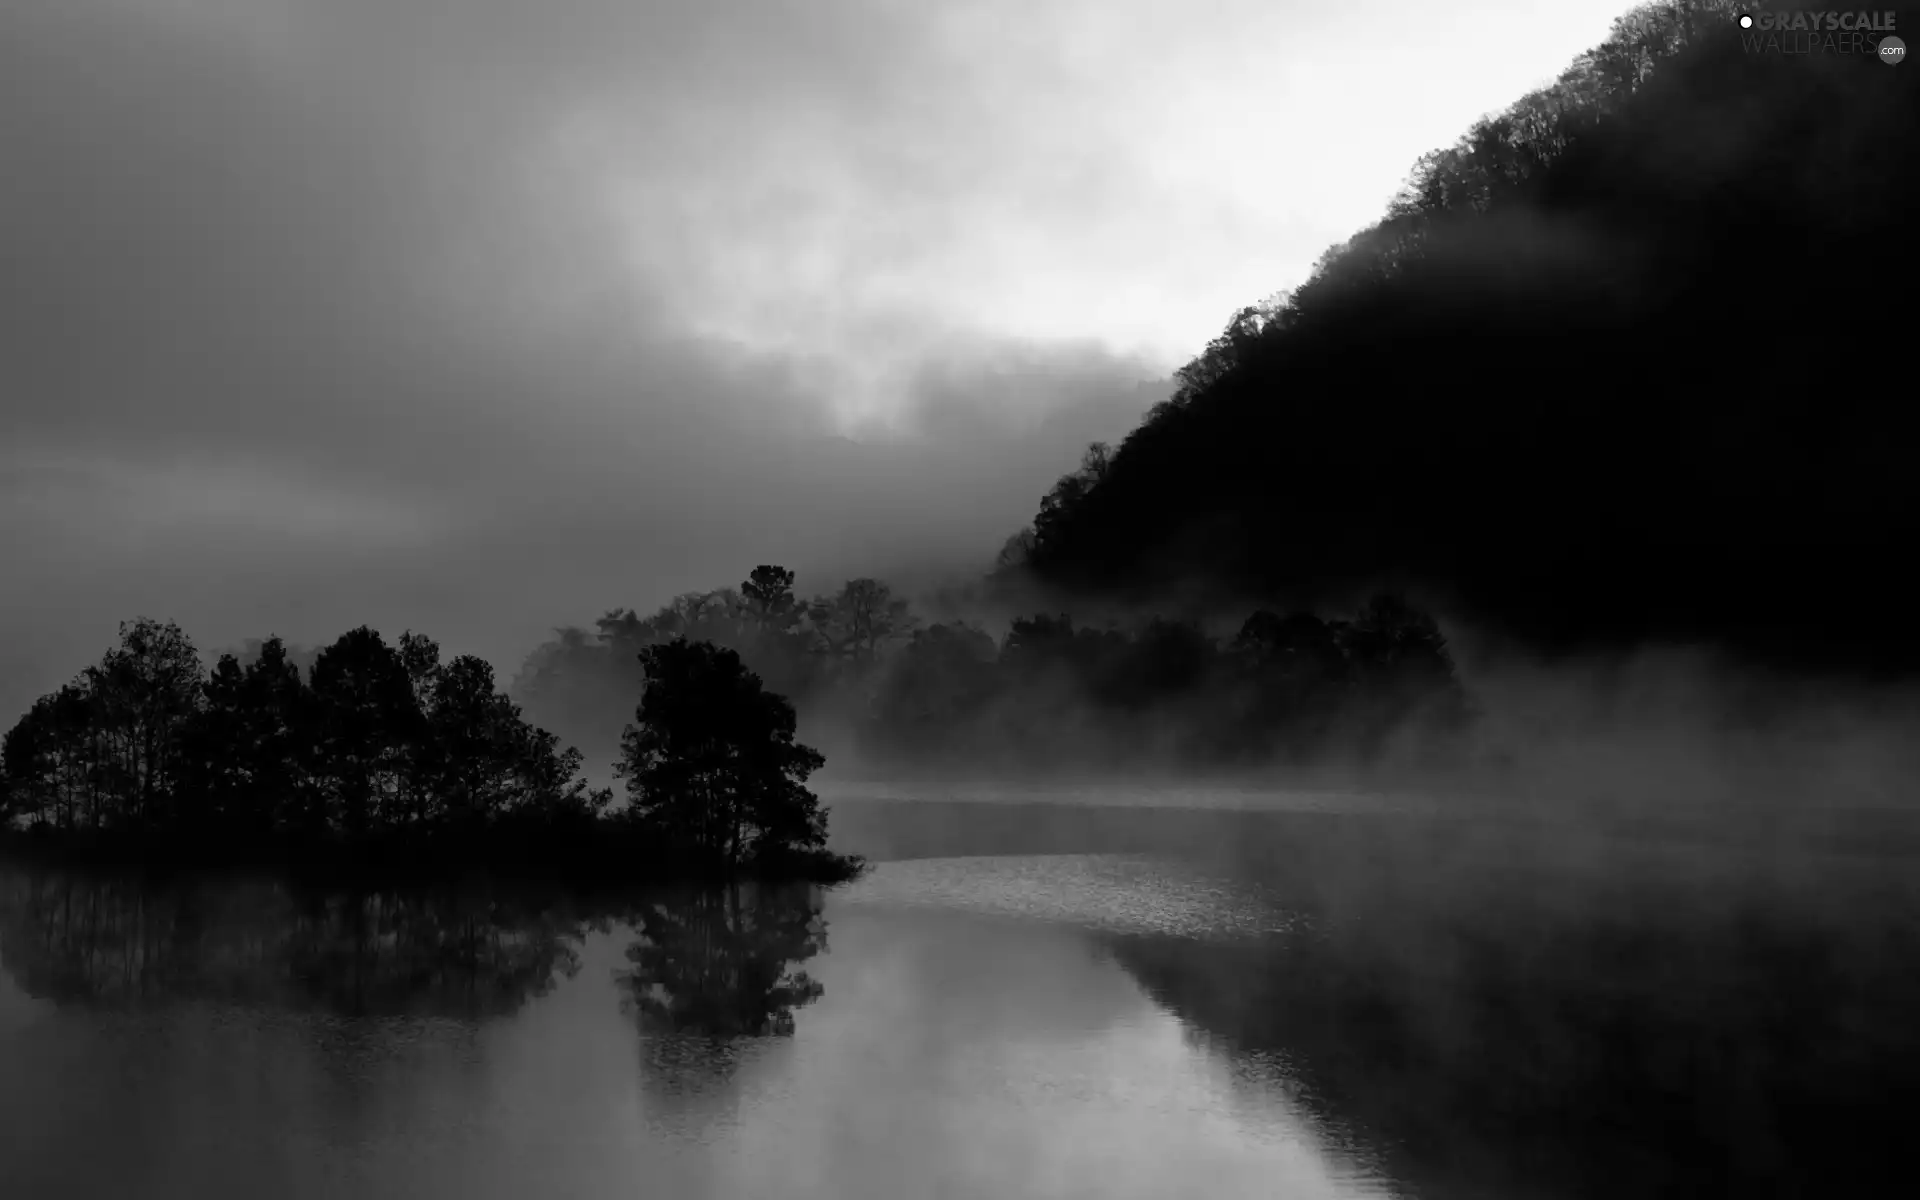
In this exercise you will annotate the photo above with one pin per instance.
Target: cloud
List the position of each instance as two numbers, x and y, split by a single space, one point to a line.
482 316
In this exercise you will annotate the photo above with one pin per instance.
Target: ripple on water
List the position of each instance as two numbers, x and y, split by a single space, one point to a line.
1115 893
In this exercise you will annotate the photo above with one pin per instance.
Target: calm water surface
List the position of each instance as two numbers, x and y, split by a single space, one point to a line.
1062 1025
943 1028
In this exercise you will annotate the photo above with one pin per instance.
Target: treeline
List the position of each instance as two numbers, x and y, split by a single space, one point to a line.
821 653
1283 689
383 756
1545 383
374 739
1046 693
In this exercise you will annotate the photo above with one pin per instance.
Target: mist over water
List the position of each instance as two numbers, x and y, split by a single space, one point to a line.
1118 1001
1456 737
930 1051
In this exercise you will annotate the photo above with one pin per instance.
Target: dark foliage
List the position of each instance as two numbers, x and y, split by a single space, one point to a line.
376 741
383 762
1166 693
1049 694
812 651
1550 385
712 769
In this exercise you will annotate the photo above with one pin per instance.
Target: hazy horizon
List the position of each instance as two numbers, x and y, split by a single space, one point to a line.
454 318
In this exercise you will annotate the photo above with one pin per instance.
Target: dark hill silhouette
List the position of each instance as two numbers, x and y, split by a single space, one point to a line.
1620 365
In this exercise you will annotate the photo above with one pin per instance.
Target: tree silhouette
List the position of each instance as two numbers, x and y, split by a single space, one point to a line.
1015 552
583 682
711 765
366 718
145 691
250 755
1445 403
855 622
769 595
144 750
53 762
944 679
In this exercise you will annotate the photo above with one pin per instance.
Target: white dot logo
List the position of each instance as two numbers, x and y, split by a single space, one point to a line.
1746 22
1892 50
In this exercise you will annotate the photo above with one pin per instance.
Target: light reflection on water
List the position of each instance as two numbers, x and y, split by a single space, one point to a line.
1076 1025
1111 893
214 1042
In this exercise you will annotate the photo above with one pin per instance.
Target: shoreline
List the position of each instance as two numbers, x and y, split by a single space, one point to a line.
597 860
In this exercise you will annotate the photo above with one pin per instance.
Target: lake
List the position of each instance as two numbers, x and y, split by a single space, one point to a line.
1027 1002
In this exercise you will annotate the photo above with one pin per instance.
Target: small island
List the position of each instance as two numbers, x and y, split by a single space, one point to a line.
384 759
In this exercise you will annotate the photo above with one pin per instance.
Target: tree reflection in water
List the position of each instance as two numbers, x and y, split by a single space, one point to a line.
724 963
1627 1038
718 964
124 942
713 981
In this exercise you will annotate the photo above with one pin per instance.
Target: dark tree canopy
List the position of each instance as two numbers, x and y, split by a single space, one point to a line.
1045 694
1284 690
711 765
806 649
1541 388
378 740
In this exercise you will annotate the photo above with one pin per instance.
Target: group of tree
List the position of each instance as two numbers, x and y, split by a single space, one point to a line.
813 652
1283 689
1547 384
383 748
1047 693
375 738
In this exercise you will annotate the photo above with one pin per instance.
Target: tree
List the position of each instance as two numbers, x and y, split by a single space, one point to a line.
1391 642
385 739
778 646
32 770
935 691
768 593
474 735
1073 489
1293 678
1164 660
1014 552
281 712
711 765
366 719
583 683
219 750
425 766
857 621
146 690
1299 644
301 657
1584 218
1400 657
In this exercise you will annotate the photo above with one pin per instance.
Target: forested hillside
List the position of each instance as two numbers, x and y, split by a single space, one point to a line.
1625 362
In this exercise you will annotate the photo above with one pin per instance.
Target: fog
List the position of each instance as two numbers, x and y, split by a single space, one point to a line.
483 317
460 317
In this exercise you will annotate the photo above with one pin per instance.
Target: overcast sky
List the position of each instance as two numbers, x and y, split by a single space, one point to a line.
482 316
